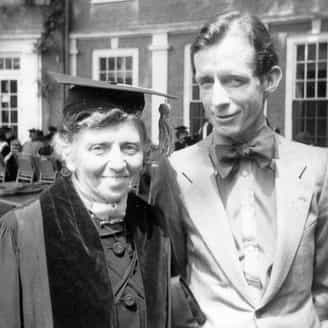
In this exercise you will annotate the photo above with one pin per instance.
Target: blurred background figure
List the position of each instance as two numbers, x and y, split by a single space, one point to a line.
181 135
32 146
47 148
10 134
165 138
7 157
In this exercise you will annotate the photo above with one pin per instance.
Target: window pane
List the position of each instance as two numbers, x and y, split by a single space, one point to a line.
120 63
120 77
322 109
310 90
323 50
311 51
322 89
322 70
8 63
111 63
300 52
196 117
111 76
310 125
310 118
16 63
128 63
13 116
1 63
4 86
300 90
195 92
102 64
117 69
300 71
13 86
128 78
5 116
102 76
13 101
322 127
311 71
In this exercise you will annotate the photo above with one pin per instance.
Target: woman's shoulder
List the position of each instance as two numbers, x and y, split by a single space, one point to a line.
8 229
147 214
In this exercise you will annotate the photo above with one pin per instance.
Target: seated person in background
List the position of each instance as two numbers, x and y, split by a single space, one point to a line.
181 135
32 146
7 158
15 147
89 253
47 148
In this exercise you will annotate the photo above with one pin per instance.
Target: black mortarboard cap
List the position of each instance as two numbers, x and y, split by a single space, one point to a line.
88 94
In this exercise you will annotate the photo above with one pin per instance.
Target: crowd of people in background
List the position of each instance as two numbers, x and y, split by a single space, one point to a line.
39 144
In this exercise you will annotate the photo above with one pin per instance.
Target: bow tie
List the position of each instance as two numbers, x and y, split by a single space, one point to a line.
261 149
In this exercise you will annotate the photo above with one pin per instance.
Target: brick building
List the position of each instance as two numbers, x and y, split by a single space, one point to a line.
147 42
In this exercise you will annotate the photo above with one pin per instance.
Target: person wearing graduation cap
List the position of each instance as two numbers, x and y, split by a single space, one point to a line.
89 253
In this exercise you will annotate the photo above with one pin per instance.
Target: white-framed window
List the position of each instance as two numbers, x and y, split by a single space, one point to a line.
9 63
116 65
307 88
20 71
9 103
194 117
106 1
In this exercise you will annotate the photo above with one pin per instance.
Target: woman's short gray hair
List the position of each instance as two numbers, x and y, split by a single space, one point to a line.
93 119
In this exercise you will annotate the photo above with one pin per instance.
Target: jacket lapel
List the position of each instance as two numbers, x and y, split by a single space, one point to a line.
207 213
153 251
293 201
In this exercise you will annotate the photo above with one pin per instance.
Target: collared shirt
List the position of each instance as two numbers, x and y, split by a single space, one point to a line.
249 198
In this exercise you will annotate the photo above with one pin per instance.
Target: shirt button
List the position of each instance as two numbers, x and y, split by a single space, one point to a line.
129 300
118 248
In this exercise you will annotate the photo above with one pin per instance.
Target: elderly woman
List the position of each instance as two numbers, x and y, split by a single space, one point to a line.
89 253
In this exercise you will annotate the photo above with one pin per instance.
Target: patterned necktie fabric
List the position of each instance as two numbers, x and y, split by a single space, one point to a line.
261 149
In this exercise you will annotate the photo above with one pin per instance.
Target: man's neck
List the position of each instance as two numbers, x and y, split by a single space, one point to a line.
243 138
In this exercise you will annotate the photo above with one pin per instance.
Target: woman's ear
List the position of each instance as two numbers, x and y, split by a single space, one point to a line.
68 157
272 79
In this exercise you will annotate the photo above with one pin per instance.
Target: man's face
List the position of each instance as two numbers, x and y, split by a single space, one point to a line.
106 160
231 94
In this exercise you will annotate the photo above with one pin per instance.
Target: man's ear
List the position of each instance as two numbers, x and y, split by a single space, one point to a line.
272 79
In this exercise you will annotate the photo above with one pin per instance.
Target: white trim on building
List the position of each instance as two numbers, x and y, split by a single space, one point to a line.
28 78
159 49
187 86
119 52
292 42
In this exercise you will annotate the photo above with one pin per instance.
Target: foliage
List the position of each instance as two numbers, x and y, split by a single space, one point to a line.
53 23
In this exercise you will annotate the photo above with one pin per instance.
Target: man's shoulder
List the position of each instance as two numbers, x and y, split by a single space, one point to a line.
298 150
312 157
190 155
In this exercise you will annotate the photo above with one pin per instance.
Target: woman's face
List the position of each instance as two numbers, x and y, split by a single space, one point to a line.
106 160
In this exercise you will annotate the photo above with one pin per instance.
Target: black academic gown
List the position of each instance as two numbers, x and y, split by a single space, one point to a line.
53 270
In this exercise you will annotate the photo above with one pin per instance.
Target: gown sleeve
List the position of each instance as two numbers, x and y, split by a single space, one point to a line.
10 316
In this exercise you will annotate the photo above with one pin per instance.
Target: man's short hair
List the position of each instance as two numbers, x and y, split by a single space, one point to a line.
259 36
